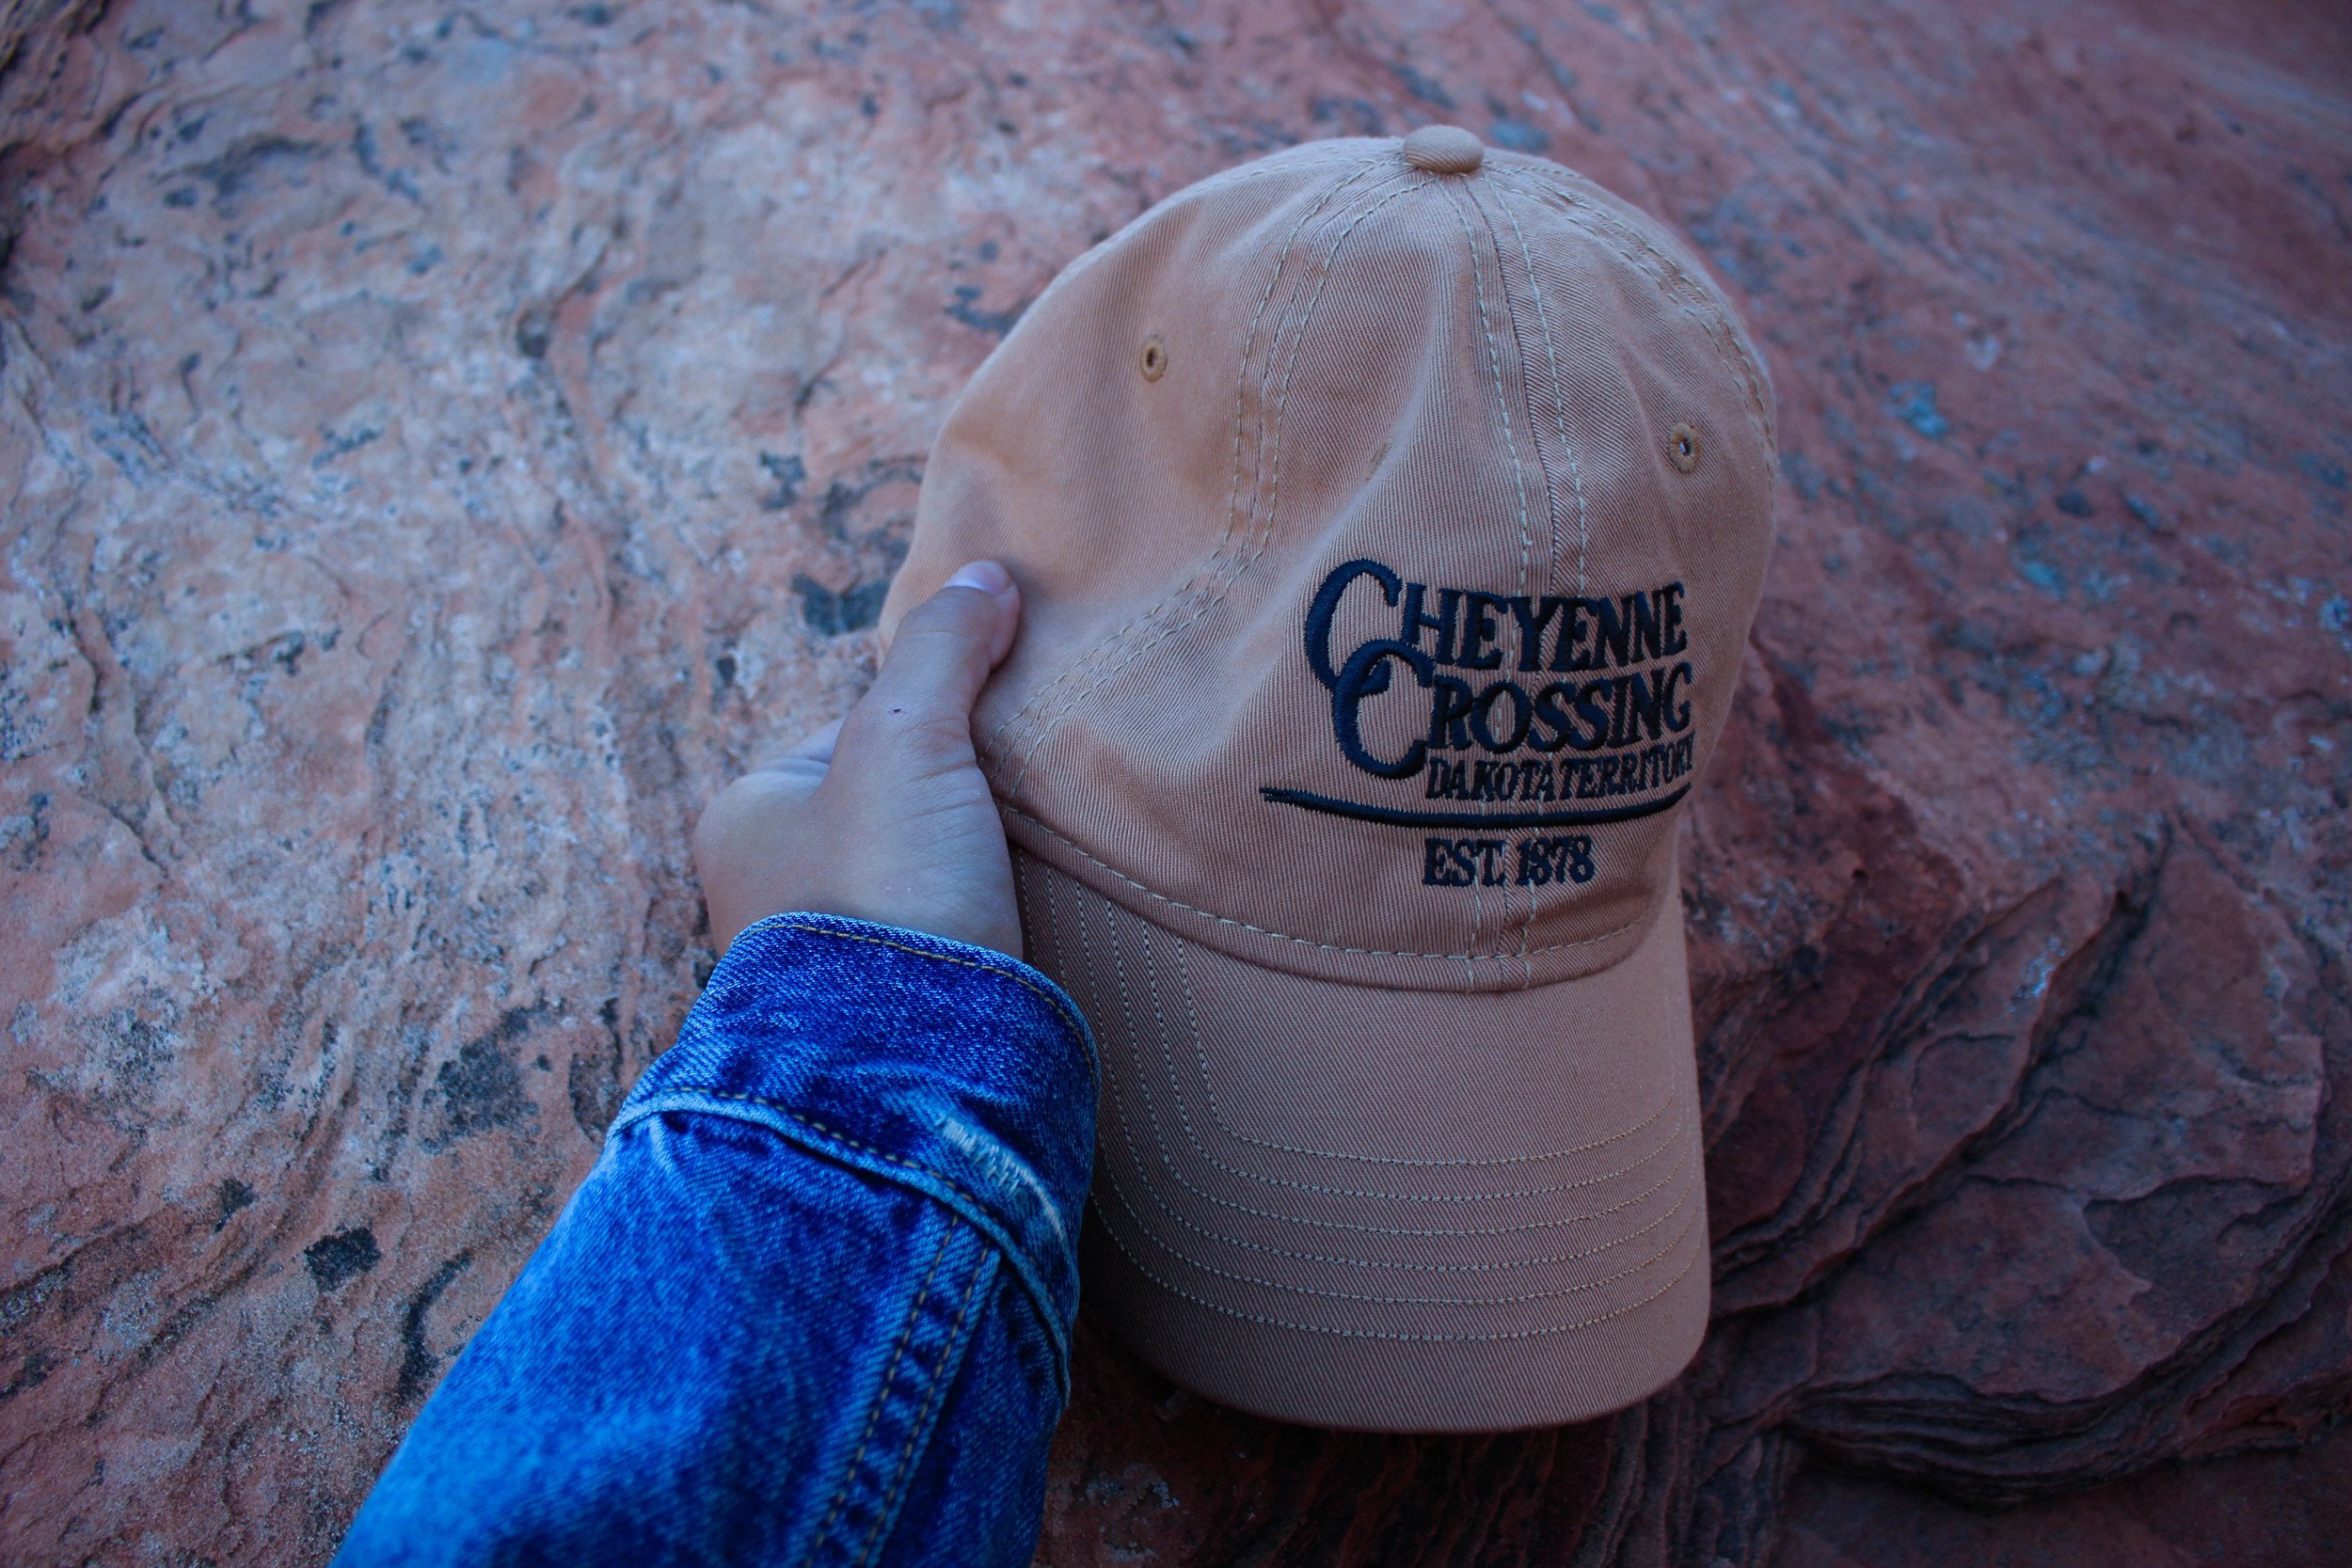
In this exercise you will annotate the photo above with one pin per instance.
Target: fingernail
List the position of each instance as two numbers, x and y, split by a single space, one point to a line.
986 575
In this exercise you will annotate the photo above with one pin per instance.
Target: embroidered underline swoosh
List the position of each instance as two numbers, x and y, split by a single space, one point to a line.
1469 818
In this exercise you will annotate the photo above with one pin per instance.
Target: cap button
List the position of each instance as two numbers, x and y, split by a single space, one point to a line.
1444 150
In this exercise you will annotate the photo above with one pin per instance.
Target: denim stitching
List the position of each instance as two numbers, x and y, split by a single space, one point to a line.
881 1396
837 1135
779 922
1049 1311
914 1433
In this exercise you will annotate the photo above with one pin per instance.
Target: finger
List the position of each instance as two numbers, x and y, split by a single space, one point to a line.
993 578
816 746
945 649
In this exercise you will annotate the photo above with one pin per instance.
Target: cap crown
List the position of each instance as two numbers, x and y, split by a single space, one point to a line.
1389 541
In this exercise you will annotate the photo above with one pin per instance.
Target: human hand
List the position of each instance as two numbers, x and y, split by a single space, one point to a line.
882 815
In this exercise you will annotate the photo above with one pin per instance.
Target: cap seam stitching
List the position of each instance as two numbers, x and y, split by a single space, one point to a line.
1664 270
1261 534
1406 1301
1309 1222
1559 393
1494 369
1678 1206
1534 435
1672 1133
1216 1115
1114 1083
1030 710
1518 347
1519 483
1248 336
1423 1339
1176 1098
1450 1268
1081 850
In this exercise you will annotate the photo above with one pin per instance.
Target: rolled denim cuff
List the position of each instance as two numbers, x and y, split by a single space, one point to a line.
948 1069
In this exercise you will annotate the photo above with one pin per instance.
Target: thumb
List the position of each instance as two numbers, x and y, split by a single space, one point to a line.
941 658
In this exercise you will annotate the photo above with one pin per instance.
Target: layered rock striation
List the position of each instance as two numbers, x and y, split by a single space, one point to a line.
438 444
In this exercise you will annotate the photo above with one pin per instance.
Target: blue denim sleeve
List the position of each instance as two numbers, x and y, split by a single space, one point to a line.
814 1303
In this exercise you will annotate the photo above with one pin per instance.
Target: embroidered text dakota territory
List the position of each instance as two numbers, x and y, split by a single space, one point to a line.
1514 700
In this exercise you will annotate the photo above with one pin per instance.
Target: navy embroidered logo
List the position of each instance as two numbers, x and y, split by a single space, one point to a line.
1597 706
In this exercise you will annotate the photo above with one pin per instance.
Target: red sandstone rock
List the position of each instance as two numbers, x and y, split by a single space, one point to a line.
437 446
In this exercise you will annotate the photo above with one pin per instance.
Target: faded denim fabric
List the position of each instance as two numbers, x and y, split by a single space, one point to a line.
814 1304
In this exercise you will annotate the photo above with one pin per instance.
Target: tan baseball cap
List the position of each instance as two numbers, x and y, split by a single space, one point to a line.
1389 517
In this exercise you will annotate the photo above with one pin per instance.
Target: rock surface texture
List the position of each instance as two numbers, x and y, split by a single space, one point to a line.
438 442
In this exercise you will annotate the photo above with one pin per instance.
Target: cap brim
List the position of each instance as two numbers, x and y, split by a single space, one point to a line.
1398 1210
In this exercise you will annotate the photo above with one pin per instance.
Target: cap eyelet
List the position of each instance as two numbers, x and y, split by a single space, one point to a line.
1682 445
1154 359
